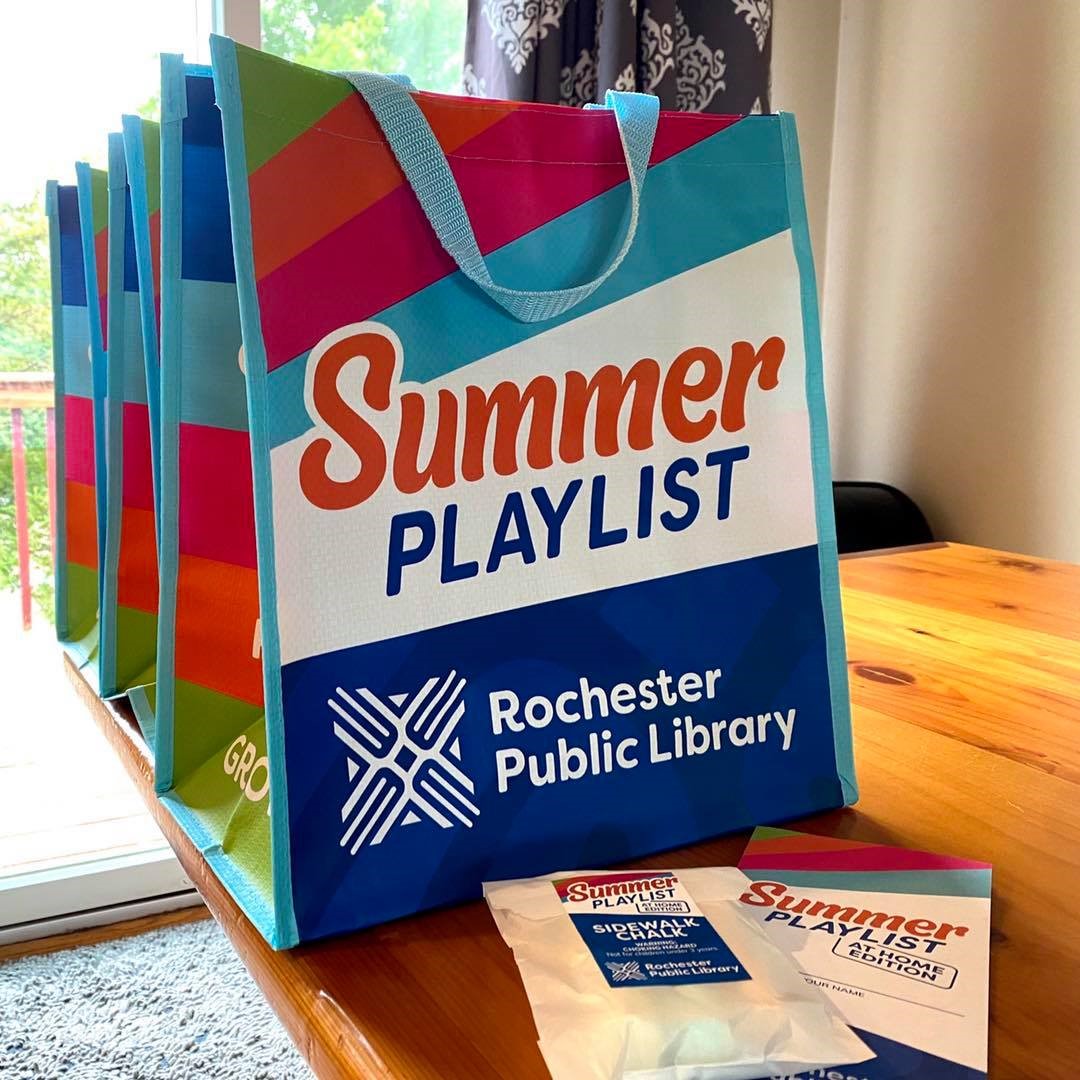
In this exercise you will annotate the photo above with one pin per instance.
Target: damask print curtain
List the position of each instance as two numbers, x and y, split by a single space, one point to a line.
696 55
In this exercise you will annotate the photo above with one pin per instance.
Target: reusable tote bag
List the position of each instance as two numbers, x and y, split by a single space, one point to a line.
93 185
546 562
130 591
209 689
76 581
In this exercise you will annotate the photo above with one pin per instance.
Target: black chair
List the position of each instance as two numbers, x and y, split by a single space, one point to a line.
871 516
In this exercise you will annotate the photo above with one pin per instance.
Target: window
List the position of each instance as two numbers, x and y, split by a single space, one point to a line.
423 38
60 102
101 60
68 70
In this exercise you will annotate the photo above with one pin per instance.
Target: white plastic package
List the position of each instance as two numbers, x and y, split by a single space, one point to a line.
661 975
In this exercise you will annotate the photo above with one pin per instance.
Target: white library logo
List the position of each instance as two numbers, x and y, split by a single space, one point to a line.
403 760
625 971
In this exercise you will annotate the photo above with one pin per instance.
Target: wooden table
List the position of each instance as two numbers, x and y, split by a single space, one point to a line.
965 678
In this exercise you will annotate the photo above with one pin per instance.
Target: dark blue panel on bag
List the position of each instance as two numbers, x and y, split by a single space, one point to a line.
418 796
131 269
72 272
206 245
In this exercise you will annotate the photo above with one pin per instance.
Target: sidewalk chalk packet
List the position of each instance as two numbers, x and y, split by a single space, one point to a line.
542 522
662 975
130 583
899 940
76 391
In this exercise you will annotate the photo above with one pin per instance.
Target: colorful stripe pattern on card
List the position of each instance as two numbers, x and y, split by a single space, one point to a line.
455 510
76 525
811 860
130 594
209 697
898 939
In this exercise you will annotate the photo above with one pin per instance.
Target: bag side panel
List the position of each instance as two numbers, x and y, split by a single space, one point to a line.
142 140
130 596
212 744
544 594
77 457
76 527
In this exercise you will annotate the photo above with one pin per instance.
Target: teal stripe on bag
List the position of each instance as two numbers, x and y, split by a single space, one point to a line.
75 340
213 395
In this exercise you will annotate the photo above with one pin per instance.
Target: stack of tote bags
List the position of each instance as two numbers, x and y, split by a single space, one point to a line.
445 481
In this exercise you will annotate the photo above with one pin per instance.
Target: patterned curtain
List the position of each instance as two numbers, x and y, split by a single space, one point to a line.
700 55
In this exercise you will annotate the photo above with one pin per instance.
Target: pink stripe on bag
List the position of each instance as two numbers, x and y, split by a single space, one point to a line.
368 256
217 511
138 484
79 439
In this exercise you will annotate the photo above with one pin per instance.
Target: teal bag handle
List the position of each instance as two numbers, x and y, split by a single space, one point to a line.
428 172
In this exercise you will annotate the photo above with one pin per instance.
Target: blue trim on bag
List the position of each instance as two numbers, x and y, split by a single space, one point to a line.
98 360
144 715
822 472
140 215
78 378
215 395
173 109
238 886
60 606
114 412
227 88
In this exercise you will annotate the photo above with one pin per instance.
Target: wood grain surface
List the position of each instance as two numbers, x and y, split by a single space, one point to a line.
965 682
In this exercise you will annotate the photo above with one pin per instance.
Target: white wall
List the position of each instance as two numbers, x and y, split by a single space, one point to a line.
952 301
806 35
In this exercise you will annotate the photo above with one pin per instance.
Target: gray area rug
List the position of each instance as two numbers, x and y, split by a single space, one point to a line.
170 1004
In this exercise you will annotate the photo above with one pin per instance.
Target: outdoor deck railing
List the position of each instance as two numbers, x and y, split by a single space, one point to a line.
20 391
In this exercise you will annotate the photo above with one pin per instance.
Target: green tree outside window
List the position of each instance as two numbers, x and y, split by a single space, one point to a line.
25 345
423 38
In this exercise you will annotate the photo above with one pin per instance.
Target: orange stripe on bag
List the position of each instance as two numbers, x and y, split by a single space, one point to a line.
216 608
137 580
101 261
340 148
81 517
